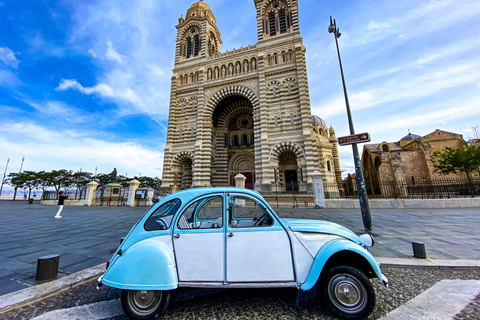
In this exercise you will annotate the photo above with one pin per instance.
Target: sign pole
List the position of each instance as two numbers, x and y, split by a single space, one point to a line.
362 192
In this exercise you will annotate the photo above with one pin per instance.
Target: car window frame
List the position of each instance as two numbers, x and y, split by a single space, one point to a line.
203 199
179 205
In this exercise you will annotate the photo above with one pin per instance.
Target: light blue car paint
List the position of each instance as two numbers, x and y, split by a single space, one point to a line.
329 250
320 226
138 268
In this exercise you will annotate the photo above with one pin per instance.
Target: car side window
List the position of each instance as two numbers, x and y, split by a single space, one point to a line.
161 218
246 212
203 214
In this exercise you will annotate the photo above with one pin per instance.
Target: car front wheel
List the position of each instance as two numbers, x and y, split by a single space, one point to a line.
144 304
348 292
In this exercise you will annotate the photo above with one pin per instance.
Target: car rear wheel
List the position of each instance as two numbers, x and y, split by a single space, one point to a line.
348 293
144 304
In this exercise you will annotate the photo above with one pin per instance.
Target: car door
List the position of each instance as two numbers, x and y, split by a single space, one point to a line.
199 241
257 247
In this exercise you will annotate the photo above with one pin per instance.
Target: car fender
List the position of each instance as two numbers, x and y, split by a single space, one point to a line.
328 251
147 265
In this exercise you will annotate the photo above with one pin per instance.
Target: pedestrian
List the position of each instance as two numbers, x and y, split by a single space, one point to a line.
61 200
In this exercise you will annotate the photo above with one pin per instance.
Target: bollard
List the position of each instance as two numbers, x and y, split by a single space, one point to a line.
121 239
419 250
47 268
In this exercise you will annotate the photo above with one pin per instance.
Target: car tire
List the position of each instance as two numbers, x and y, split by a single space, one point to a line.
144 304
348 293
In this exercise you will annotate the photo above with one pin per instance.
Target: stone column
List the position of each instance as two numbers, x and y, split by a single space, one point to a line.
240 180
133 186
90 196
318 190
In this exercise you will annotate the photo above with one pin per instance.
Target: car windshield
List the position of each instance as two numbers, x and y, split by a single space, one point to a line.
162 217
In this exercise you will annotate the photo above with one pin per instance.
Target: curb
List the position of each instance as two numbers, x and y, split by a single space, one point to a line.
38 292
428 263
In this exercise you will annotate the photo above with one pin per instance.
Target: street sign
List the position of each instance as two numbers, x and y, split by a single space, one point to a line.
356 138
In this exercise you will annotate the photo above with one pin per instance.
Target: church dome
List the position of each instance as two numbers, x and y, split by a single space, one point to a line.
199 9
410 136
317 121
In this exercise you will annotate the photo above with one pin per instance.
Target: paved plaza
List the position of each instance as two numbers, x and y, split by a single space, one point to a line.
88 236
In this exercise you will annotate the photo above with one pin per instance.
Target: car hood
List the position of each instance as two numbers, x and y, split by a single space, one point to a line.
320 226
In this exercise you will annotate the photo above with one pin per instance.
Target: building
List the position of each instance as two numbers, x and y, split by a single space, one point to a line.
407 159
247 110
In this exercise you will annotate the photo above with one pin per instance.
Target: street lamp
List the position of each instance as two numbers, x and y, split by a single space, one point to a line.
362 193
3 180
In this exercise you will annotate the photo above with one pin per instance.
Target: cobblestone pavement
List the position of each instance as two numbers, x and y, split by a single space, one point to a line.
405 284
88 236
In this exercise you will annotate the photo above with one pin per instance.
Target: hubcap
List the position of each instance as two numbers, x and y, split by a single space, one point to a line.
144 302
347 293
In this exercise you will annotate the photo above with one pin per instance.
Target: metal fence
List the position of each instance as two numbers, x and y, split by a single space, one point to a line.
72 195
417 188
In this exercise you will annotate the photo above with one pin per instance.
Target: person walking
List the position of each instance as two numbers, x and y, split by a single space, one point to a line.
61 200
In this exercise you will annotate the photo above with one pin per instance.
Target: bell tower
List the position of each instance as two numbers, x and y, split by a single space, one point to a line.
276 17
197 33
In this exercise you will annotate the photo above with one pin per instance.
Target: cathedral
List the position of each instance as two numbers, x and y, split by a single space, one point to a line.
247 110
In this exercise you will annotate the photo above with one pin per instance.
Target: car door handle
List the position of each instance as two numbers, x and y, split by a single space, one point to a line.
230 234
176 236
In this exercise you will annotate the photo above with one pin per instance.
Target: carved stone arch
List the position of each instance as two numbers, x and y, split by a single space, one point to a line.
266 9
239 157
232 111
180 157
231 91
286 146
187 29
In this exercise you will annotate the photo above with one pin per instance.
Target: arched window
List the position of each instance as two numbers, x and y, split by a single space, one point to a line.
197 45
189 47
329 167
271 23
244 139
235 140
252 140
385 148
283 22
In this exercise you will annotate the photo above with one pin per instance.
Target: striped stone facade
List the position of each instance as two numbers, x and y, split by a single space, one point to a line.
246 110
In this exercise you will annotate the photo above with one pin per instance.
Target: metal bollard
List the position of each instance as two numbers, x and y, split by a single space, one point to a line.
419 250
121 239
47 268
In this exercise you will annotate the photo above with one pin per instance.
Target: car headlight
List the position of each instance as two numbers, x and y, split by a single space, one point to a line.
367 240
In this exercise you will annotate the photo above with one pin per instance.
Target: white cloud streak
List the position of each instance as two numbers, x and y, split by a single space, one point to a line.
8 57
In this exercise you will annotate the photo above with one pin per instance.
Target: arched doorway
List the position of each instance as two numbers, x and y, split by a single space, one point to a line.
288 168
183 171
234 141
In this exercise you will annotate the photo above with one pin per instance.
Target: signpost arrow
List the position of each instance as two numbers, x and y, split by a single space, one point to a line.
356 138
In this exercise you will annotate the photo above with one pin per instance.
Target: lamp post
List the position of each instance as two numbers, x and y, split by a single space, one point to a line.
362 192
3 180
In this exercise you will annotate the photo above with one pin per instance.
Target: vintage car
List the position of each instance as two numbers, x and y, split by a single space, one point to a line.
231 238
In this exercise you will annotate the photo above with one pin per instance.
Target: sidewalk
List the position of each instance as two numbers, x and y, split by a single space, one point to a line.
87 236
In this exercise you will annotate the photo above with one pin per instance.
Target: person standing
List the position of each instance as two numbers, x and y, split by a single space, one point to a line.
61 200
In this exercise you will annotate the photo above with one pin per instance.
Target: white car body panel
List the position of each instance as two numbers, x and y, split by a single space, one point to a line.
199 256
314 241
259 256
303 259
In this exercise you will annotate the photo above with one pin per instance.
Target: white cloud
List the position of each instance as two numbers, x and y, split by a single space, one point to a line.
8 78
47 149
101 89
92 53
113 54
8 57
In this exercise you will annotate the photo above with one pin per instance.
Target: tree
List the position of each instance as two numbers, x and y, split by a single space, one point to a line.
146 182
59 179
102 179
457 161
30 181
80 180
16 180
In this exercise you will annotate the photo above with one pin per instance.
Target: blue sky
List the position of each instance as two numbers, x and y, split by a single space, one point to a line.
86 84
